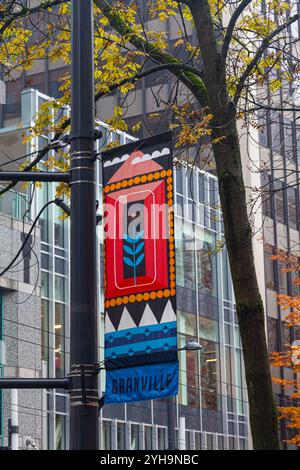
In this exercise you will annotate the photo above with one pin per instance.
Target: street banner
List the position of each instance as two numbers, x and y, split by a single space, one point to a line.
139 276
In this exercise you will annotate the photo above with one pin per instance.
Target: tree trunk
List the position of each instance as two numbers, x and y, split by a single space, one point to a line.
250 311
238 234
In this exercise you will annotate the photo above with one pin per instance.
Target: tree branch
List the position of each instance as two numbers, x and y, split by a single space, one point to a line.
41 154
191 80
264 45
231 26
145 73
25 11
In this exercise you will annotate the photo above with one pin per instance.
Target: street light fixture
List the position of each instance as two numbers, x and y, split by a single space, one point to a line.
191 345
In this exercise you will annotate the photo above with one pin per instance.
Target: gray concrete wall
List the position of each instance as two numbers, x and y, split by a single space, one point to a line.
20 288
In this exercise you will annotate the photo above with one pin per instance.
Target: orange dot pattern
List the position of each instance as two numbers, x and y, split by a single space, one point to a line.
141 179
172 285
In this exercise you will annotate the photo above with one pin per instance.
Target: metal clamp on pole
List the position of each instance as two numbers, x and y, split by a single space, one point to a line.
82 388
83 134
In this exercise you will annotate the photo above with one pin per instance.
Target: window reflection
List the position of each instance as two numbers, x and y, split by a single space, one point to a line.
135 437
206 262
45 329
189 374
59 339
161 437
209 373
208 329
121 436
185 258
148 437
60 432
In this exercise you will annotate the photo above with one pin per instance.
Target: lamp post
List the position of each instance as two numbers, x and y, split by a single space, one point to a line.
84 399
191 345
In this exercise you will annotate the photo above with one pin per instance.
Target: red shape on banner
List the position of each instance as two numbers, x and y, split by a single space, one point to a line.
133 167
155 237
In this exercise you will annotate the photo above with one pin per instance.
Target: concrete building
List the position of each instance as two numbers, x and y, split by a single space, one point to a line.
20 317
212 394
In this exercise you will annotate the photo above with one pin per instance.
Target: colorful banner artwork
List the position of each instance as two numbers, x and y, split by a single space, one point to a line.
140 297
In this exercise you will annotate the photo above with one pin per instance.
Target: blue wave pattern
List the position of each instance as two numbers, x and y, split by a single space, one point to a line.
140 340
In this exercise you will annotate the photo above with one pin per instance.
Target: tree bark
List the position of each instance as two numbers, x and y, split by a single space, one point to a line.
238 235
250 311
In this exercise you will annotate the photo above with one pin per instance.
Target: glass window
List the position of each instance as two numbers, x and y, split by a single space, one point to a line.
198 441
263 134
60 438
107 434
201 190
60 266
282 276
161 438
59 340
279 201
60 403
221 445
237 337
269 267
179 186
292 207
209 375
121 436
187 323
59 232
243 445
44 197
227 291
45 329
135 437
266 194
44 284
208 329
206 262
288 138
188 440
189 374
229 378
272 325
228 333
209 442
185 258
60 288
275 130
191 184
148 437
45 261
239 381
295 279
213 192
231 443
179 206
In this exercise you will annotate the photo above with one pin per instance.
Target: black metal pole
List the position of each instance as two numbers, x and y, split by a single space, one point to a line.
171 412
84 401
50 176
33 383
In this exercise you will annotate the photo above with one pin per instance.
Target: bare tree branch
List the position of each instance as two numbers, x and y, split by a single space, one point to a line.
231 26
191 80
25 11
259 53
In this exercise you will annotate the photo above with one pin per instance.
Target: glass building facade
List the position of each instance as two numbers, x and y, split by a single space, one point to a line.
212 392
